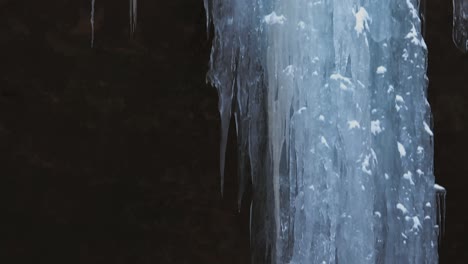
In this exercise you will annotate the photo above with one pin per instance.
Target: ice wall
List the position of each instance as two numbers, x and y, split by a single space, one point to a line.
333 125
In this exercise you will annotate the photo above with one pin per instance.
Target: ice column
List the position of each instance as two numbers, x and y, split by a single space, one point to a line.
333 125
460 24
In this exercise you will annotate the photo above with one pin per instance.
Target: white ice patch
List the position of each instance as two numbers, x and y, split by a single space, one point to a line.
344 81
324 141
423 44
401 149
405 54
428 129
438 187
414 36
375 127
413 10
420 150
399 102
339 77
402 208
272 19
381 70
416 223
399 99
409 177
361 20
365 165
353 124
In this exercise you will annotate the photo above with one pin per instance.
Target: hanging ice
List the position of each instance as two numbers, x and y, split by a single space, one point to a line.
460 24
91 20
133 15
329 99
132 18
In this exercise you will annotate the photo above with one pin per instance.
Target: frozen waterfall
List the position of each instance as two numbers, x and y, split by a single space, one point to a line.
333 125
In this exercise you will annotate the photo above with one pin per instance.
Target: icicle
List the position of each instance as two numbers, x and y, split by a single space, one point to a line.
206 5
133 16
422 15
441 194
92 23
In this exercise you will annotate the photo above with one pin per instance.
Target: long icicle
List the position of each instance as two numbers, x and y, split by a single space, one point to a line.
92 23
133 16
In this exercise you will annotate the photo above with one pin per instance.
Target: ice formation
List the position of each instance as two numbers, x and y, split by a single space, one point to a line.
460 24
333 126
133 15
91 20
132 18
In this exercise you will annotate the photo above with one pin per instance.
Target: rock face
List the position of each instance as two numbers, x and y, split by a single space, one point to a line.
331 112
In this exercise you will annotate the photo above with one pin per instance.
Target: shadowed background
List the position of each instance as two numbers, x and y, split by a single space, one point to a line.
110 154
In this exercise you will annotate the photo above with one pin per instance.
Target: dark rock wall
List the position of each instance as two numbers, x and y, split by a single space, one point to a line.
448 96
110 154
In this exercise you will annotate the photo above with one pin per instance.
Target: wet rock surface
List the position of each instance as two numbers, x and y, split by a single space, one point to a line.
110 154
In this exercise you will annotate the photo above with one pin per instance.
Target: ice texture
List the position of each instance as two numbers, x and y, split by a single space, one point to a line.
333 126
460 24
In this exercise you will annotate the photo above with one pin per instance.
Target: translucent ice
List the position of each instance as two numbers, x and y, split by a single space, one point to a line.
460 24
333 125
